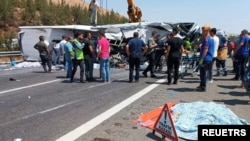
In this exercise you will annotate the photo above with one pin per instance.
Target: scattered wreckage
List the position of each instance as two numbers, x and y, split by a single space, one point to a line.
117 34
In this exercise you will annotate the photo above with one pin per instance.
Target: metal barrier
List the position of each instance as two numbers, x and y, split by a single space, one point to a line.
10 53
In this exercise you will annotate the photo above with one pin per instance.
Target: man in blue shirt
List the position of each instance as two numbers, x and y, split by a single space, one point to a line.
68 52
134 52
241 55
206 56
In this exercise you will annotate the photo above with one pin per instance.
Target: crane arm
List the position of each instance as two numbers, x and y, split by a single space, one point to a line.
134 12
131 3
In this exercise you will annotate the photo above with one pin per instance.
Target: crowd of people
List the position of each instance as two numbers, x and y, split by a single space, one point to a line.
80 51
210 47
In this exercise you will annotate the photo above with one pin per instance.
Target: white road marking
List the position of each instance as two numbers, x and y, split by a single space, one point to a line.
58 107
25 87
38 84
38 113
53 108
86 127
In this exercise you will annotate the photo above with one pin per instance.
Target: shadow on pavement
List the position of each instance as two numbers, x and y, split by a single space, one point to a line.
234 102
38 71
164 83
183 89
223 79
193 81
122 81
228 87
66 81
191 78
101 139
154 137
236 93
61 77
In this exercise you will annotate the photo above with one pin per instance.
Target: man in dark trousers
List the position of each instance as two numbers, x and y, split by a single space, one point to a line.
77 57
44 54
241 55
206 56
173 56
160 50
89 55
134 51
151 55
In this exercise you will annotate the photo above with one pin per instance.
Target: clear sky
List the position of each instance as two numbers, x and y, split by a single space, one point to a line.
229 15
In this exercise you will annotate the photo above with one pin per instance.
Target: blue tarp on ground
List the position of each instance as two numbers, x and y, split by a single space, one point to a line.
190 115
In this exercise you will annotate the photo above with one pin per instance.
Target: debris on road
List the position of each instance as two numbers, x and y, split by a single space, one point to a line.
13 79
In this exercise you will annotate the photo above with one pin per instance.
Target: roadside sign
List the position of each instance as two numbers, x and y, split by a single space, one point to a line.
164 124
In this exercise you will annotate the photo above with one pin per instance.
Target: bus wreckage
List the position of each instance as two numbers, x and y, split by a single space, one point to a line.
117 34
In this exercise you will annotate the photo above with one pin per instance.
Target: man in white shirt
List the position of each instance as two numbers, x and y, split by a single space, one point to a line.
93 7
216 45
62 52
57 53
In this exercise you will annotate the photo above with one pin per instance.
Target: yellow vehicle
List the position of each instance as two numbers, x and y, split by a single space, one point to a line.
134 12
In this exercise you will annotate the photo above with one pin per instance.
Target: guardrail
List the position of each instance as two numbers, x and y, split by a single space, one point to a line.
10 53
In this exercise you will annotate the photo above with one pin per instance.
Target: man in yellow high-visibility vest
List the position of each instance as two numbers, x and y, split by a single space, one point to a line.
77 57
